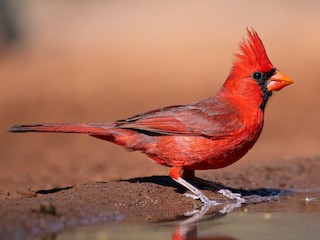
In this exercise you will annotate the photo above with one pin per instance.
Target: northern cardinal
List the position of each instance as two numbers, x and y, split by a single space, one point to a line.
209 134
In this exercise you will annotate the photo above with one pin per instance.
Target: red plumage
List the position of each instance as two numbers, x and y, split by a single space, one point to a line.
212 133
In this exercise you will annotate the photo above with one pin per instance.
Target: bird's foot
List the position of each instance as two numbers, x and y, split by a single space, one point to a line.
197 194
251 199
200 196
232 196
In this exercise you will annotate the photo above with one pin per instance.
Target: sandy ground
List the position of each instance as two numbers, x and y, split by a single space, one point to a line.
105 61
149 199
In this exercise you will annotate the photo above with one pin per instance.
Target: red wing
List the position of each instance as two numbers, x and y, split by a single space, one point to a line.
213 120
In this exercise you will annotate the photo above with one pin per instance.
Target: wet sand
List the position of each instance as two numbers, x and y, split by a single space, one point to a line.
145 200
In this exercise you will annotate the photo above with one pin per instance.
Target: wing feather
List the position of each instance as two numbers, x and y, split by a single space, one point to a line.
207 118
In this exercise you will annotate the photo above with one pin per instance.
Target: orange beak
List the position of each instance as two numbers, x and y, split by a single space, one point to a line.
278 81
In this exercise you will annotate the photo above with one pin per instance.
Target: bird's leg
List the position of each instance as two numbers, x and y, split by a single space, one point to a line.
203 198
225 192
176 175
190 175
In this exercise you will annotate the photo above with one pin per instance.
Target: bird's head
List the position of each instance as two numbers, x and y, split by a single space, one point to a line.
252 70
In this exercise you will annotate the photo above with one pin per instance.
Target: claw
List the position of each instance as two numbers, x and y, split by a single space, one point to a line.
232 196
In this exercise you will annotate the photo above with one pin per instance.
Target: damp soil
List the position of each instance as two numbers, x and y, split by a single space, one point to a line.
143 200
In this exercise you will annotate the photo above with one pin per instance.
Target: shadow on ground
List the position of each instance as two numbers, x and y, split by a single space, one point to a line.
167 181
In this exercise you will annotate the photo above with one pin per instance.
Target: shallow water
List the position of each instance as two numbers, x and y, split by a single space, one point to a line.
291 217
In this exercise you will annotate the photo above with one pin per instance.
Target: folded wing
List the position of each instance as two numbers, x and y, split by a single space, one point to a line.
207 118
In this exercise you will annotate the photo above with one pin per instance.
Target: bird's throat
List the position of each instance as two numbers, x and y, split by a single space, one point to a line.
265 97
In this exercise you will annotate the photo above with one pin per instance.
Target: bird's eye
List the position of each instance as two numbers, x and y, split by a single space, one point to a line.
257 75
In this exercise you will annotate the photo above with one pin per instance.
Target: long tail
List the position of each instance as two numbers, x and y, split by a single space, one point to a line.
86 128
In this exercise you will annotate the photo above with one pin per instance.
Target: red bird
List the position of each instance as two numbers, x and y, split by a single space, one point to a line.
209 134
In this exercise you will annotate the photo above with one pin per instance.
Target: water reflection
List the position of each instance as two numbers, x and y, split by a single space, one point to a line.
188 229
291 217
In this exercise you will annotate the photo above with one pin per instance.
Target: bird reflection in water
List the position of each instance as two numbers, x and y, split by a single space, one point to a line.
187 229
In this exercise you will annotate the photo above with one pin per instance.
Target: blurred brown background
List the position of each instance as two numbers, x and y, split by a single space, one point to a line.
98 61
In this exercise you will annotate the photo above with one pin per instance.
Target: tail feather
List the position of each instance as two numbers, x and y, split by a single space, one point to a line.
86 128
